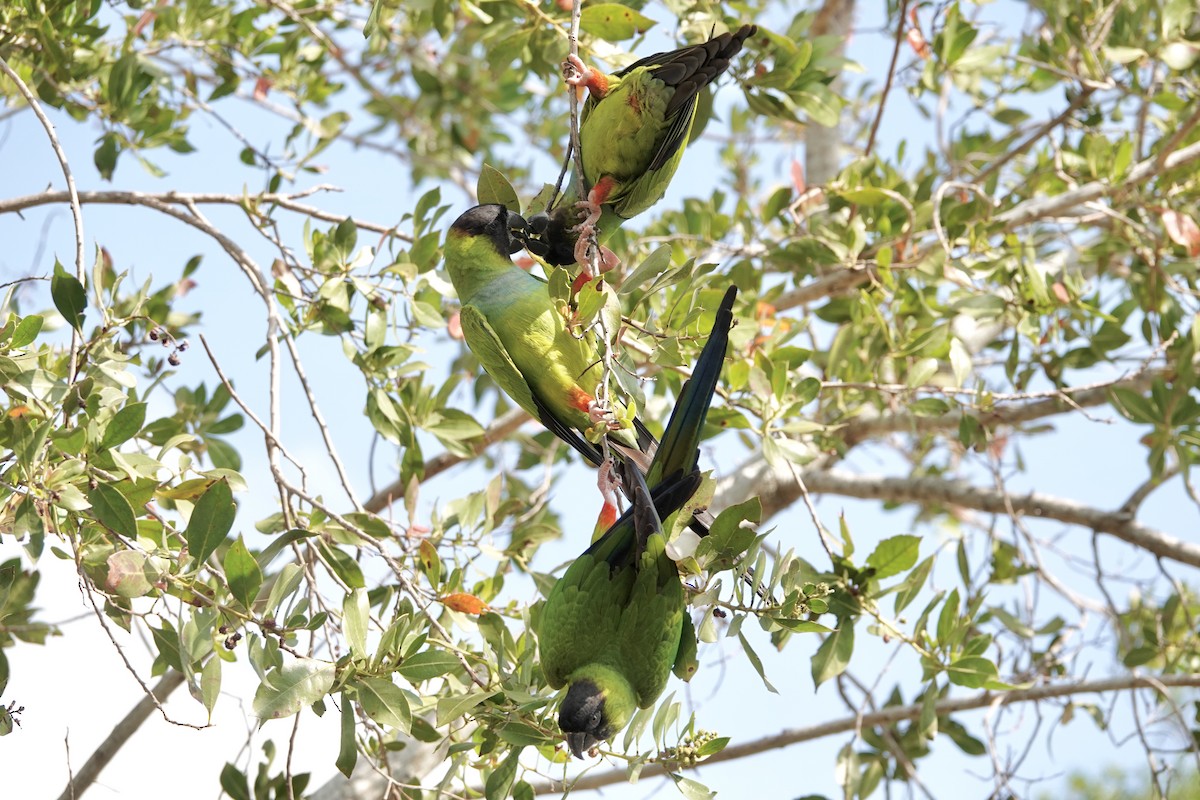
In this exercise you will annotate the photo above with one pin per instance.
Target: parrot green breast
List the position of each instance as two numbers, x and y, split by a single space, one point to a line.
558 368
627 619
623 136
521 340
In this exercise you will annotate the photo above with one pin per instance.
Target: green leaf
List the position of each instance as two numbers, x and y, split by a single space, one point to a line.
833 656
913 583
347 747
345 567
801 625
355 613
493 187
653 264
112 510
756 662
972 672
427 664
234 783
26 331
453 707
384 702
1139 655
692 790
613 22
124 425
894 555
286 690
243 573
211 521
1123 55
69 296
210 684
501 780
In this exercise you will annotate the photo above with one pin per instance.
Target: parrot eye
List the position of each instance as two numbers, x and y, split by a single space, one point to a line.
594 722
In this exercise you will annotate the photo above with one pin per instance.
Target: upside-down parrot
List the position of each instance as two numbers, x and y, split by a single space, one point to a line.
613 627
634 126
521 339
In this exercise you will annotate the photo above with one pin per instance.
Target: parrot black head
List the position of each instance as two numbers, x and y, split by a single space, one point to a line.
507 230
583 718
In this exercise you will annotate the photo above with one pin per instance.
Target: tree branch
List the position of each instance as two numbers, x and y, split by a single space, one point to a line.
863 428
501 428
777 489
112 744
287 201
1021 214
890 716
891 74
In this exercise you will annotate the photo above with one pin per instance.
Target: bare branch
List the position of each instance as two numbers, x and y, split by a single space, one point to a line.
1061 402
777 490
288 201
890 716
501 428
891 74
73 196
112 744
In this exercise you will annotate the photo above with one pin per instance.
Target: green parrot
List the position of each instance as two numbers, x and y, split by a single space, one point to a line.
613 627
521 339
634 126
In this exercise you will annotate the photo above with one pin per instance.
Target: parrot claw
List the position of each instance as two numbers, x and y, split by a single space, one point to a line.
602 414
593 216
606 479
575 72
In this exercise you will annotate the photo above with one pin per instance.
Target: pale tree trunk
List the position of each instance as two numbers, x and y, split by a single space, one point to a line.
823 146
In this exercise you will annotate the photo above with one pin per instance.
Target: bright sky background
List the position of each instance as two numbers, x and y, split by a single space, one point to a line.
75 688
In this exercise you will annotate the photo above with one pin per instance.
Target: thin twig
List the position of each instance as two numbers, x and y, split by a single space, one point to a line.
500 429
78 783
244 201
76 209
891 73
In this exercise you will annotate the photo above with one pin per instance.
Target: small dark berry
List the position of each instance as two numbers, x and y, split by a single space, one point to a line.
154 334
183 346
173 359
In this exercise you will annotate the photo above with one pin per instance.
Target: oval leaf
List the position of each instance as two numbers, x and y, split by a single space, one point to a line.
69 296
112 510
243 573
212 518
493 187
124 425
613 22
285 691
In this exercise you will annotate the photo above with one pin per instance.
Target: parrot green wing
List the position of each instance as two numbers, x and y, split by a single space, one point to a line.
494 358
636 133
581 616
652 622
490 351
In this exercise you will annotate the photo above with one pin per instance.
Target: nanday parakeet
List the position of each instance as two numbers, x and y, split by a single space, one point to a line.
613 626
521 339
634 127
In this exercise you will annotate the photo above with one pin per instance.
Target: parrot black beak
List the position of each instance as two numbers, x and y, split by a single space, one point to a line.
581 743
518 232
